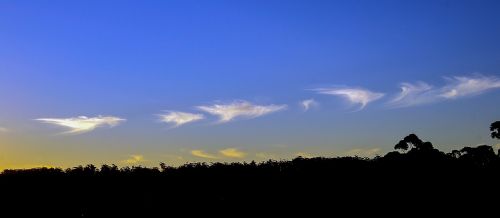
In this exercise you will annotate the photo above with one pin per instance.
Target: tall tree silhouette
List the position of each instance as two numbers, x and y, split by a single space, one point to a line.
410 142
495 130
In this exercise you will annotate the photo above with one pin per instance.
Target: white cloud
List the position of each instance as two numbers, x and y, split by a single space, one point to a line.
363 152
180 118
232 153
414 94
134 159
456 87
228 112
82 124
461 86
353 95
308 104
202 154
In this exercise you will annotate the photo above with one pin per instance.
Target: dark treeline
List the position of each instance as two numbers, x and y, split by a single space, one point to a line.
416 174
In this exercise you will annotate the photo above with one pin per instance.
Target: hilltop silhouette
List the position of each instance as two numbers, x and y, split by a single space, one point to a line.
416 175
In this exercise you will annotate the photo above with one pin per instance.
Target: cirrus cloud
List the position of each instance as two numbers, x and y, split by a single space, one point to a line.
354 95
461 86
308 104
245 109
180 118
456 87
203 154
3 130
413 94
82 124
232 153
224 153
134 159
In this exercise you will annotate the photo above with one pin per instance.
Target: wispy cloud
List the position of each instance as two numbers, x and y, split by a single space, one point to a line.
461 86
308 104
202 154
456 87
232 153
180 118
3 130
134 159
354 95
228 112
363 152
82 124
414 94
224 153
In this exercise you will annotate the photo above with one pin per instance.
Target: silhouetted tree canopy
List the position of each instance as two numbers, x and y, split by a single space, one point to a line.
495 130
411 142
482 155
402 145
111 191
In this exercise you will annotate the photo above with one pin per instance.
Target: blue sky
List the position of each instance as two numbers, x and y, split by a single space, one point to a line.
134 61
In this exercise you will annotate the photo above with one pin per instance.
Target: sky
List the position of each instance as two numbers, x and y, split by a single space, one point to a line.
144 82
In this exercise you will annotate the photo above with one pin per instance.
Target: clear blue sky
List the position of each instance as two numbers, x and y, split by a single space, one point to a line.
135 60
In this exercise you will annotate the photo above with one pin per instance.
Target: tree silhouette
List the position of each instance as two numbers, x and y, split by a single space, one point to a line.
482 155
412 142
495 130
92 191
455 154
401 145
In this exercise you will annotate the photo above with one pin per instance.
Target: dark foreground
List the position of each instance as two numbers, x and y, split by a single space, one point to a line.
420 180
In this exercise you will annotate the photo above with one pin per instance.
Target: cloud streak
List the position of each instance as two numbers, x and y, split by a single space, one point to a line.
456 87
461 86
233 153
236 109
414 94
354 95
3 130
178 118
224 153
202 154
83 124
134 159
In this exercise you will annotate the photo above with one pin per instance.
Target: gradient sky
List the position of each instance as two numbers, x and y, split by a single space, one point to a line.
181 81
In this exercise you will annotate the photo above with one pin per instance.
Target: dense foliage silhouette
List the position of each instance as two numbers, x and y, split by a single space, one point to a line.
419 176
495 130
